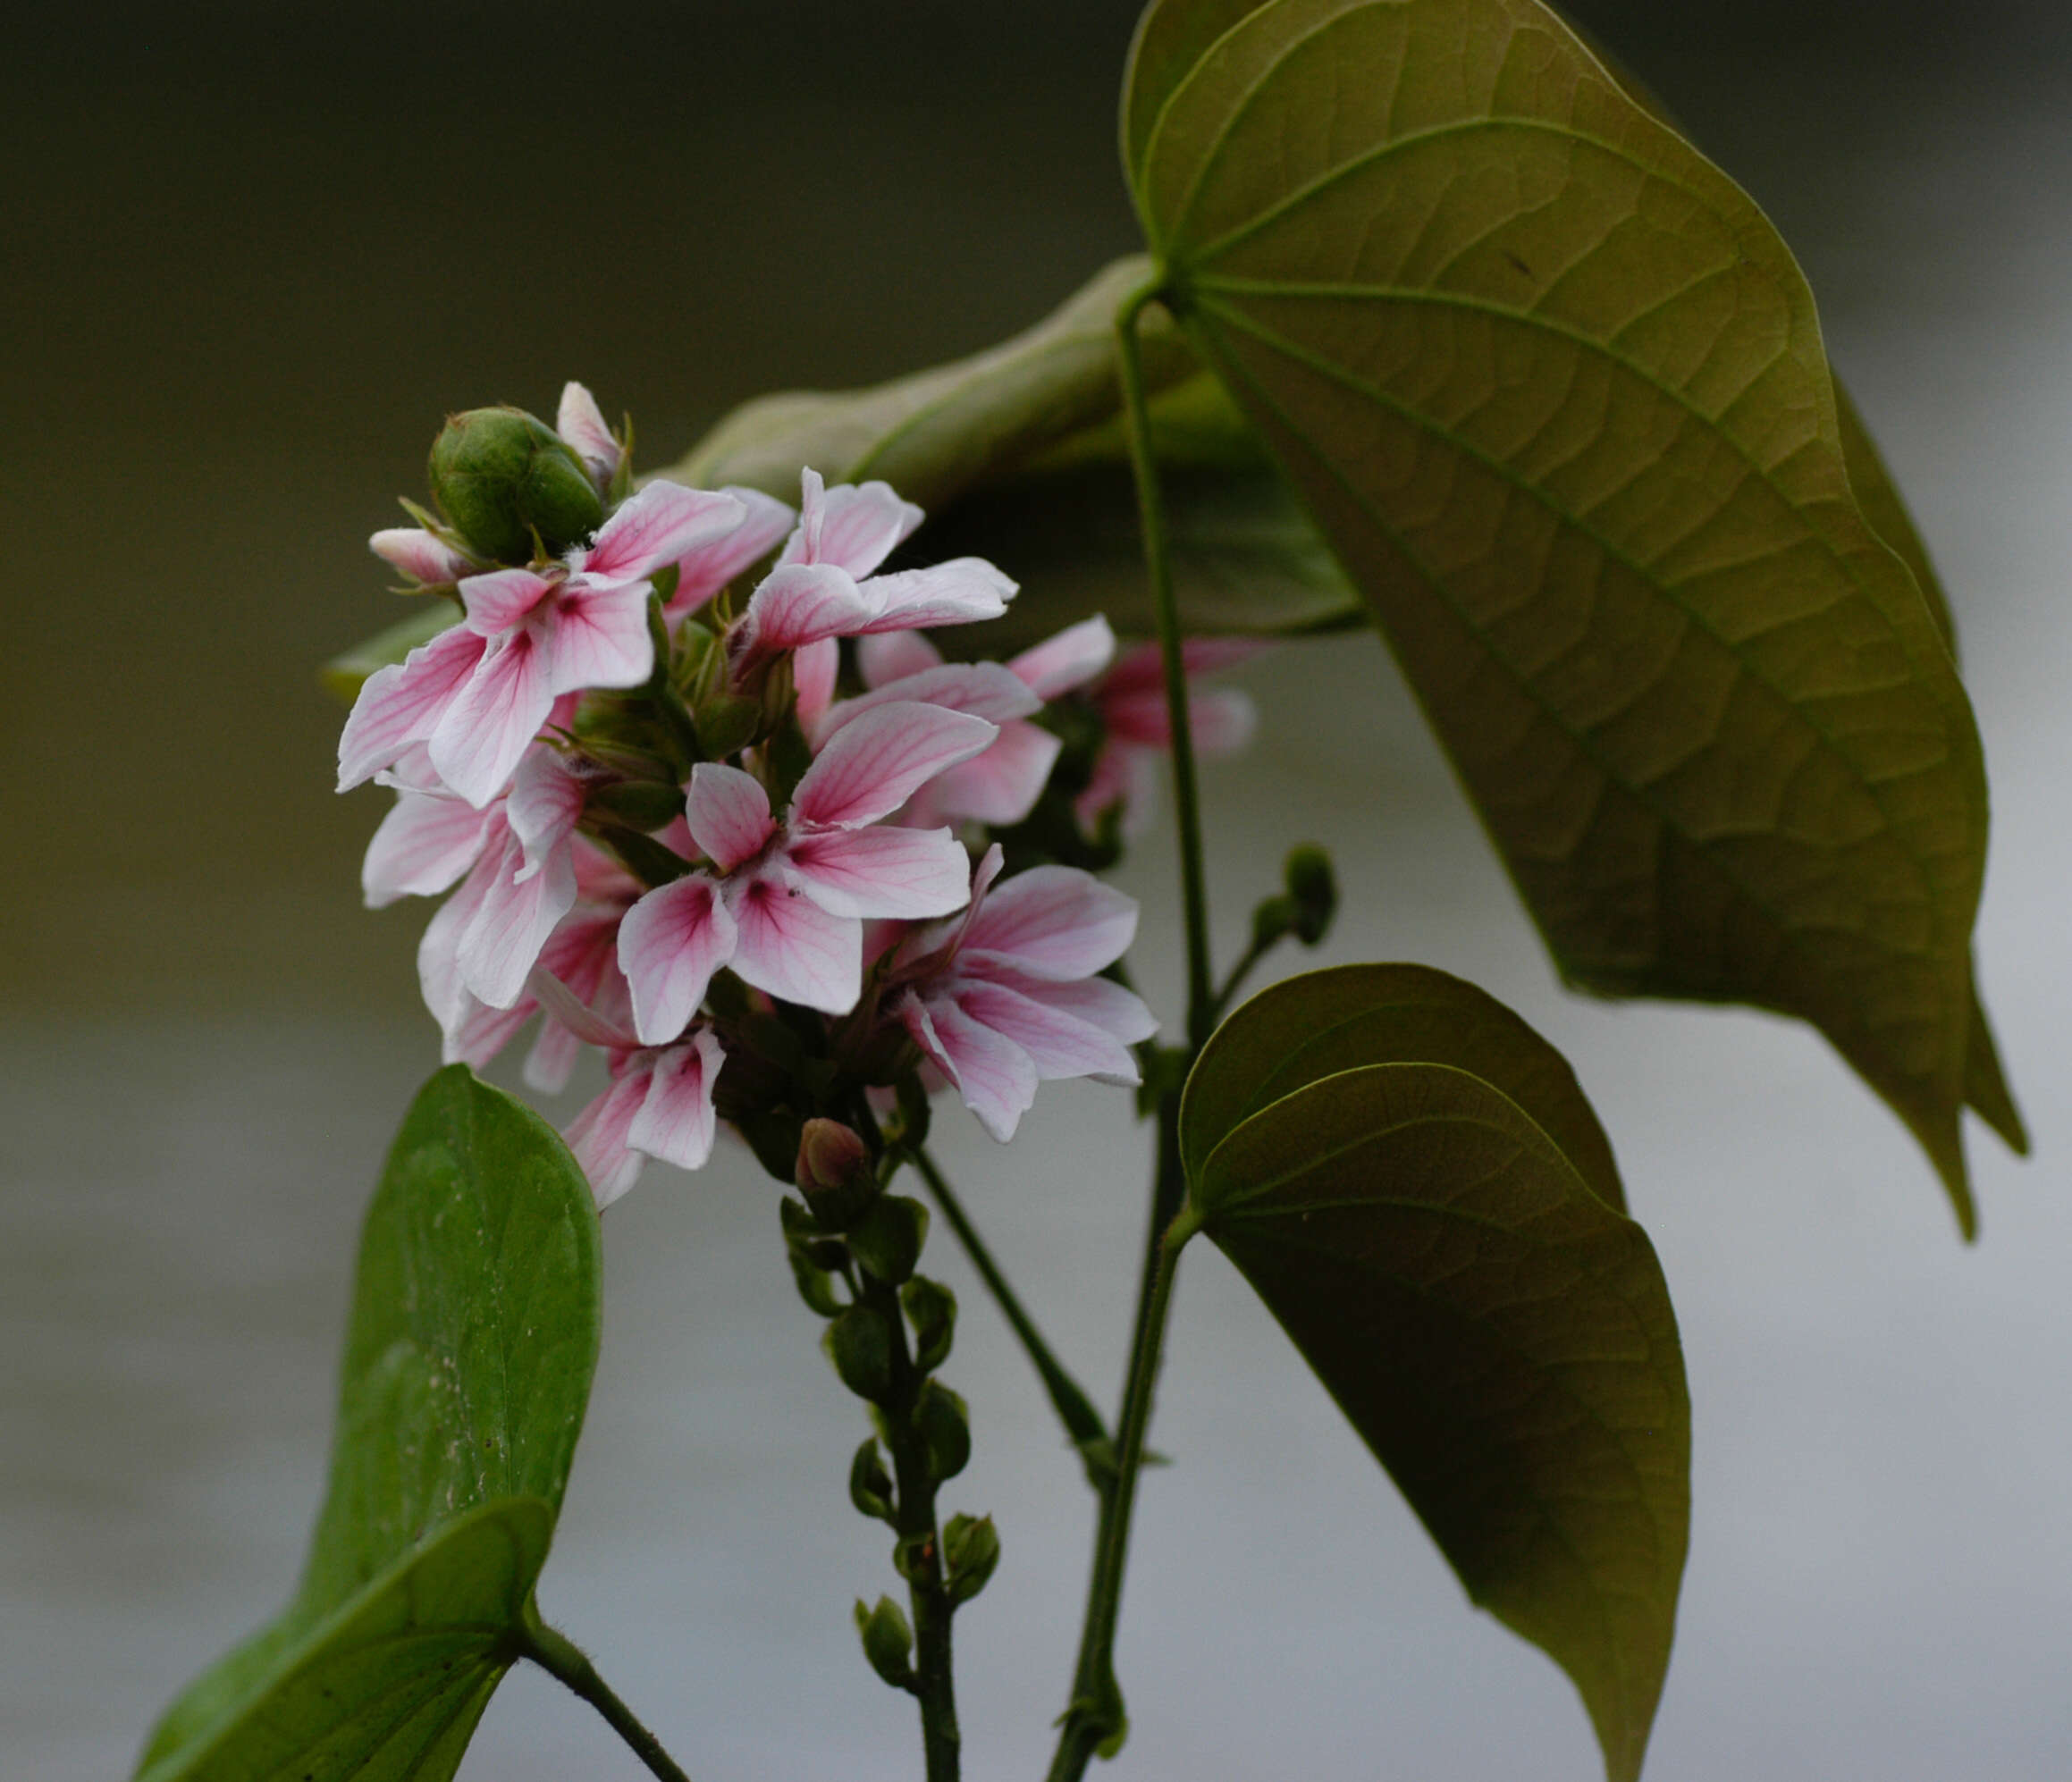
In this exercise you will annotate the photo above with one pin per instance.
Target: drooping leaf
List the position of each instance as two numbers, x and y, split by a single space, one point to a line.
347 672
467 1366
1499 1335
1018 455
1554 390
1309 1027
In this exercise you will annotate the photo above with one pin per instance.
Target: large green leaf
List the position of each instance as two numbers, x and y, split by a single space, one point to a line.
1018 455
1554 390
1500 1336
467 1366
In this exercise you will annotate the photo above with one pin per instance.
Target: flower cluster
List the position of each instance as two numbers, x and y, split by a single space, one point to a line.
766 881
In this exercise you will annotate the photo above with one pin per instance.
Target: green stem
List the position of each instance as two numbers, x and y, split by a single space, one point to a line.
1239 972
1083 1423
1158 564
1095 1716
560 1657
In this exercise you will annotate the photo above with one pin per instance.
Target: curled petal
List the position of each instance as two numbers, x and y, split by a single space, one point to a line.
581 424
874 872
585 1023
797 604
599 1137
403 704
657 525
670 945
794 949
581 954
1058 1042
422 846
1054 922
706 568
423 557
956 593
994 1077
871 766
728 812
1070 660
854 527
888 656
487 727
675 1121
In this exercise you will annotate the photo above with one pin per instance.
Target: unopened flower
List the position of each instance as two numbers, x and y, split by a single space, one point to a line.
1005 997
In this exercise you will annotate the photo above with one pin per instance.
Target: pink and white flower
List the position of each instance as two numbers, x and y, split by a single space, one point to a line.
1131 699
785 901
1005 997
477 694
823 588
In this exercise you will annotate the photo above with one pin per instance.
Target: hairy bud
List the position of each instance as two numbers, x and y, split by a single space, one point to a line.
501 475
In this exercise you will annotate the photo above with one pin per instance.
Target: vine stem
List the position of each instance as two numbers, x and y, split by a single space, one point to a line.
1074 1410
1095 1721
562 1658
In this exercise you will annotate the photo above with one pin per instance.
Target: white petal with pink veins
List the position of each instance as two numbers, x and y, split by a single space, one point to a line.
670 945
982 689
1053 921
1070 660
871 766
1002 784
994 1077
501 944
599 635
503 598
853 528
482 1032
545 806
791 947
675 1122
727 813
1099 1000
813 670
424 559
438 950
655 526
598 1137
956 593
706 568
907 873
581 425
403 704
485 730
422 847
795 605
1058 1043
892 655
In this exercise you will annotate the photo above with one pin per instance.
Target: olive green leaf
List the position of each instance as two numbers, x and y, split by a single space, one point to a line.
1497 1332
1554 389
1017 454
1311 1025
467 1366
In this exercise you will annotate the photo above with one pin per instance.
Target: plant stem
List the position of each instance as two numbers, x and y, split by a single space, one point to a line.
1096 1715
560 1657
1158 564
1082 1422
928 1595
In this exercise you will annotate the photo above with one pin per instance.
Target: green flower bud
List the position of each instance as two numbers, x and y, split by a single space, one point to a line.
888 1641
870 1484
970 1549
835 1171
931 1310
500 476
887 1239
944 1429
1313 891
860 1344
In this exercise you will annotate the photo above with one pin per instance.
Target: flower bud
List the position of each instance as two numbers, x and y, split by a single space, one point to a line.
888 1641
944 1426
931 1310
1313 891
500 476
970 1549
835 1171
870 1484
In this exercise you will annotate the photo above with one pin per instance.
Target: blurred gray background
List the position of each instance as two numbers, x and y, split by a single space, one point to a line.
256 253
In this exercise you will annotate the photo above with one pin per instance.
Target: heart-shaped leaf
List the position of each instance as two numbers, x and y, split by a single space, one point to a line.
467 1366
1500 1336
1554 390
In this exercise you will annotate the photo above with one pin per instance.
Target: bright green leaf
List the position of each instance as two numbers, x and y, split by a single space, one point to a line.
345 674
1497 1333
1306 1028
467 1366
1554 390
1018 455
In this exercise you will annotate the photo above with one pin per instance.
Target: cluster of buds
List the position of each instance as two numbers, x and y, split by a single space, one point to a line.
769 879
